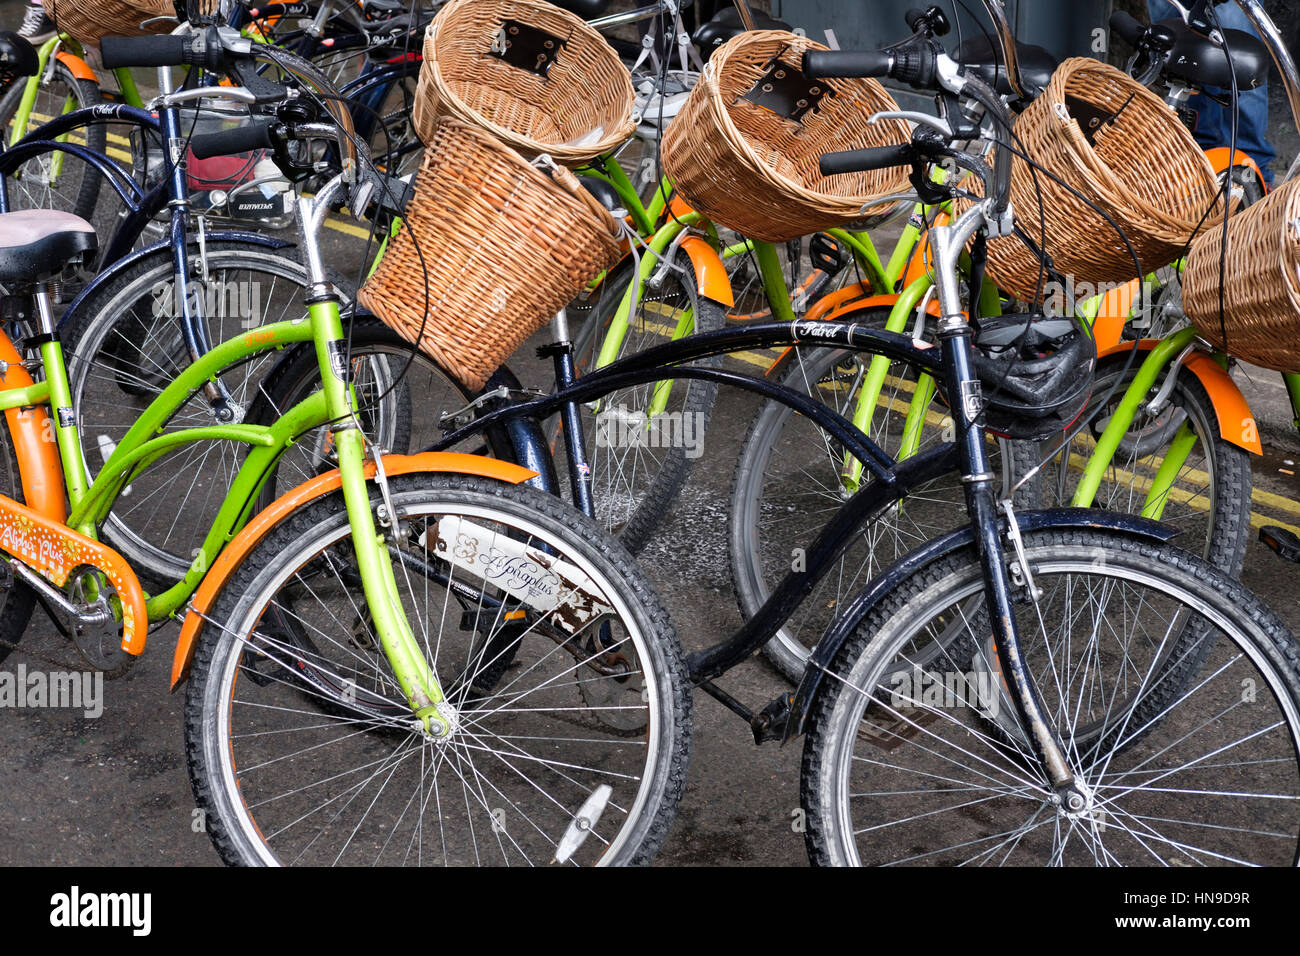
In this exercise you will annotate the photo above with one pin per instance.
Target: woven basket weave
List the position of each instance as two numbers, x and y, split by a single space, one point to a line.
1261 295
580 108
1143 168
755 171
88 22
505 248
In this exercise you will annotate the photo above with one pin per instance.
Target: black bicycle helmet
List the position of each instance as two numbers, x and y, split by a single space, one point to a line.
1036 373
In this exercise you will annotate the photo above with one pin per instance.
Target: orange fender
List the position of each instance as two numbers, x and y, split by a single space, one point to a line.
1116 305
32 432
265 521
711 277
1236 420
678 207
1221 157
77 66
920 264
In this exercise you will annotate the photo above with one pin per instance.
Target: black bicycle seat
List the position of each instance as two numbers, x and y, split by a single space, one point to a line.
726 24
1199 61
382 9
587 9
36 244
983 58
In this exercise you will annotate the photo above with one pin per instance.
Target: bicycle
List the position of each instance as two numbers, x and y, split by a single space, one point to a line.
147 311
1175 439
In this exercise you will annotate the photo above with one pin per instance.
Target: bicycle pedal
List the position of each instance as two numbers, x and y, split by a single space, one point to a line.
1285 543
826 253
770 722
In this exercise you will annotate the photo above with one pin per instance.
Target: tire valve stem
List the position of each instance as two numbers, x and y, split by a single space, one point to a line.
584 821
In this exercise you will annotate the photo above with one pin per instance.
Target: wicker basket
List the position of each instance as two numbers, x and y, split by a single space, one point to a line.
1261 295
88 22
1137 162
554 85
505 247
745 147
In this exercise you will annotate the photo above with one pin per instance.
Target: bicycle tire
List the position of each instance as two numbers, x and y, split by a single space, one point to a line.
1211 498
633 488
787 477
32 185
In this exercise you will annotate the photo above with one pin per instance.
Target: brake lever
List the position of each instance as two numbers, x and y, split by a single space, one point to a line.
265 92
920 119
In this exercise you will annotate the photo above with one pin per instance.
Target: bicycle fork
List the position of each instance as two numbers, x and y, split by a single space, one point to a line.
966 400
434 715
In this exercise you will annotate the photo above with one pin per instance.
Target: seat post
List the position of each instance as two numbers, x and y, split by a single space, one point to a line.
44 313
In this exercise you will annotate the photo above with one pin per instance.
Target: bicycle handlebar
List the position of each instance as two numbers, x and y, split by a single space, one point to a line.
847 63
1127 27
242 139
168 50
861 160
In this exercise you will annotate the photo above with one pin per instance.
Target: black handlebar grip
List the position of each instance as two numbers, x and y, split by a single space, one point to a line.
1124 24
242 139
860 160
847 63
144 51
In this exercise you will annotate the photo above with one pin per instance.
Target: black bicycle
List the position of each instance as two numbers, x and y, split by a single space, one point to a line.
1056 687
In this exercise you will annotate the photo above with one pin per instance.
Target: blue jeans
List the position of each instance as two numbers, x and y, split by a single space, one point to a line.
1213 123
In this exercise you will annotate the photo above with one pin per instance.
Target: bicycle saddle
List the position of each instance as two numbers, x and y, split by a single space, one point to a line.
982 57
587 9
36 244
726 24
383 9
1199 61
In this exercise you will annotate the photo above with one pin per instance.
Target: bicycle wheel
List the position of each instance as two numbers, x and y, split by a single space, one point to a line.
640 458
912 764
57 179
398 406
300 744
125 346
789 481
1208 498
